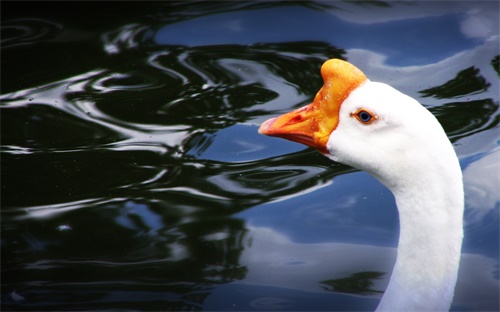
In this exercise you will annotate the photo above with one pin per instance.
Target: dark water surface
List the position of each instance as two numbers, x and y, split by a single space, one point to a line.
133 176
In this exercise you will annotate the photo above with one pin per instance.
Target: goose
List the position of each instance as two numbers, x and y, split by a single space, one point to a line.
374 127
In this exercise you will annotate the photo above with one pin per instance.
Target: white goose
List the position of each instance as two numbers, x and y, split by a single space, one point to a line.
373 127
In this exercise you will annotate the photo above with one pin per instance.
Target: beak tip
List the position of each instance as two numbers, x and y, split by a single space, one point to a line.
264 127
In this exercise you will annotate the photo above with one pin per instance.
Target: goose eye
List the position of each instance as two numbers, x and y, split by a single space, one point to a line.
364 116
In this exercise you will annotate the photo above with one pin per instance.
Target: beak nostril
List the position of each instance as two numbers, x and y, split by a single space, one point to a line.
295 119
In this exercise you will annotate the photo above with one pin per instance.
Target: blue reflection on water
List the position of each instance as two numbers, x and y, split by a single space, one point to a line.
360 213
412 41
264 298
247 145
182 216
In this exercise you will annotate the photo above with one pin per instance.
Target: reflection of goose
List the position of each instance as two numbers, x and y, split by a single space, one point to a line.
373 127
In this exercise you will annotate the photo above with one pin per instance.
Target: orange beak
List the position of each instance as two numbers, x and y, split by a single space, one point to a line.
312 124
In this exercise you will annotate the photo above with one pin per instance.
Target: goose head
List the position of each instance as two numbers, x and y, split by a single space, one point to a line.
367 125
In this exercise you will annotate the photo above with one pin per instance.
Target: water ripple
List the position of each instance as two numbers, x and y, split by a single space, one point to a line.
125 82
28 31
126 37
135 164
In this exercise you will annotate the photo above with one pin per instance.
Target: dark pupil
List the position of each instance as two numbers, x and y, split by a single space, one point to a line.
364 116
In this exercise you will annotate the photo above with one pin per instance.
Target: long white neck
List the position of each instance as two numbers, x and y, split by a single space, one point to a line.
430 206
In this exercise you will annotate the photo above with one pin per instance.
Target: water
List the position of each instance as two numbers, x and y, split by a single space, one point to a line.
133 176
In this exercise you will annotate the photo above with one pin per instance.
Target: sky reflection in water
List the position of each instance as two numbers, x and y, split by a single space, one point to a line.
133 175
